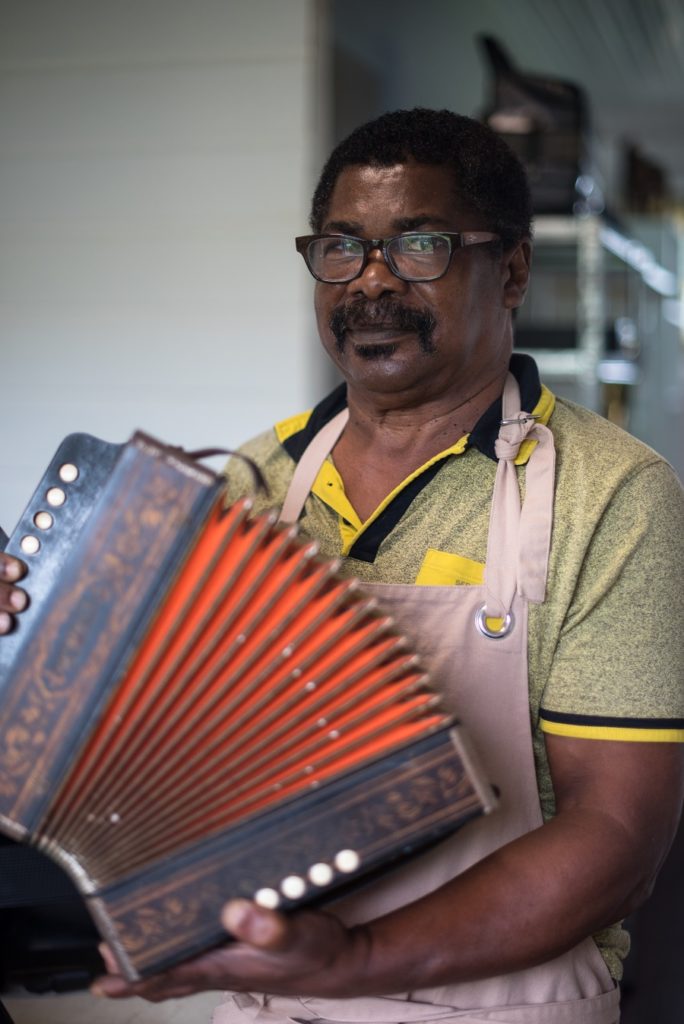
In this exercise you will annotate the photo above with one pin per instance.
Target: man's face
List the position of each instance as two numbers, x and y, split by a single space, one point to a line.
416 340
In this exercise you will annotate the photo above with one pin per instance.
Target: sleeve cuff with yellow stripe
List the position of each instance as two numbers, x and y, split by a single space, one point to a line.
604 727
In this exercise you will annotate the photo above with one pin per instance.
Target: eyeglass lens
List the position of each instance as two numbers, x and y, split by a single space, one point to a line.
415 256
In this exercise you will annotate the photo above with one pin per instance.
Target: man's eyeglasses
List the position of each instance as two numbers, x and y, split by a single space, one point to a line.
414 256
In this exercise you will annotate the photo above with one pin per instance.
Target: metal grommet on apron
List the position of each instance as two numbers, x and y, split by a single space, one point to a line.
473 640
482 621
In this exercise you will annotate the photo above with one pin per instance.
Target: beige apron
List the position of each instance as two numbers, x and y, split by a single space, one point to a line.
480 667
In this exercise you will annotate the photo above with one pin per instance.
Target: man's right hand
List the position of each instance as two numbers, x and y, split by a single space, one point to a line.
12 598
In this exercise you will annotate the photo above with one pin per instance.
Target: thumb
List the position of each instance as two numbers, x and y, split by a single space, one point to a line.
255 925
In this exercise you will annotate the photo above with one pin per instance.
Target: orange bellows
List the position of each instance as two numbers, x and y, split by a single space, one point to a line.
196 706
263 674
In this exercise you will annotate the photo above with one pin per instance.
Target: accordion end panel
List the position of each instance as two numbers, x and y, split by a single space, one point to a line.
309 851
94 579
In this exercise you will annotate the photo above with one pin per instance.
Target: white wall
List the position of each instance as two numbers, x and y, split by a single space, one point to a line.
156 160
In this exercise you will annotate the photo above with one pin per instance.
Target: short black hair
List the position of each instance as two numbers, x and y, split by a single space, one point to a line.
488 176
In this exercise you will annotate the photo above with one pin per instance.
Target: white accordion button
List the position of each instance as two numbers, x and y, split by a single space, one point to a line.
68 473
347 861
268 898
29 544
293 887
321 874
56 497
43 520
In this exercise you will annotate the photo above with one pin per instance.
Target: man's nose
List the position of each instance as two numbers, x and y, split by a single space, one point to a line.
377 278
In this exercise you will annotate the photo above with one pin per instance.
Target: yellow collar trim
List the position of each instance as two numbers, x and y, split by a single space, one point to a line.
292 425
542 411
329 487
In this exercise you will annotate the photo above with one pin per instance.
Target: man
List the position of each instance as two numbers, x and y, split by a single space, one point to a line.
552 629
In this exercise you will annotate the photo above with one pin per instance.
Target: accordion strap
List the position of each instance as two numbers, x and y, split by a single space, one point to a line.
308 466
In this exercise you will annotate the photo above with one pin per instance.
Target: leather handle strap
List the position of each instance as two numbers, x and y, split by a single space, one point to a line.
206 453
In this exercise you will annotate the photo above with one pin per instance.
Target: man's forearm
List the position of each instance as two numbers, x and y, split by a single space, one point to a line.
535 898
525 904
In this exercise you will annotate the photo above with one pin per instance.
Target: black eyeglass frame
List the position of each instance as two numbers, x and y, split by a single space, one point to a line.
455 239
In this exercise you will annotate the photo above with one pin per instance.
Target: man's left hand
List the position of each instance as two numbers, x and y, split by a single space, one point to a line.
270 953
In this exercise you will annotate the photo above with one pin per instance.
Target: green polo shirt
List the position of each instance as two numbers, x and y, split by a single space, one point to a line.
606 648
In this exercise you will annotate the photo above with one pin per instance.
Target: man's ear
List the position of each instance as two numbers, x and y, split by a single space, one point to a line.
516 264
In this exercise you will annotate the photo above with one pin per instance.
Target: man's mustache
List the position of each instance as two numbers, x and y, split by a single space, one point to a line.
360 314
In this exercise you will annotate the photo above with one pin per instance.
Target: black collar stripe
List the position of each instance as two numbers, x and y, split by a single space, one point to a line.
366 547
333 403
611 722
482 437
486 430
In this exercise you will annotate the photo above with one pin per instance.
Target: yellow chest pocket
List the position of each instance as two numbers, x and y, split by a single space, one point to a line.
441 568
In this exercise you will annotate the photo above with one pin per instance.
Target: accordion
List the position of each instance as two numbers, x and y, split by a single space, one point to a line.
197 706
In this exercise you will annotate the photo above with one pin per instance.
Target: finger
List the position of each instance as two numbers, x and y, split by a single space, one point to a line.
116 988
111 986
12 600
108 957
248 922
11 569
194 976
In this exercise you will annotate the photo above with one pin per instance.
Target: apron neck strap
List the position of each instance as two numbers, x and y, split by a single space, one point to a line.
519 539
308 466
